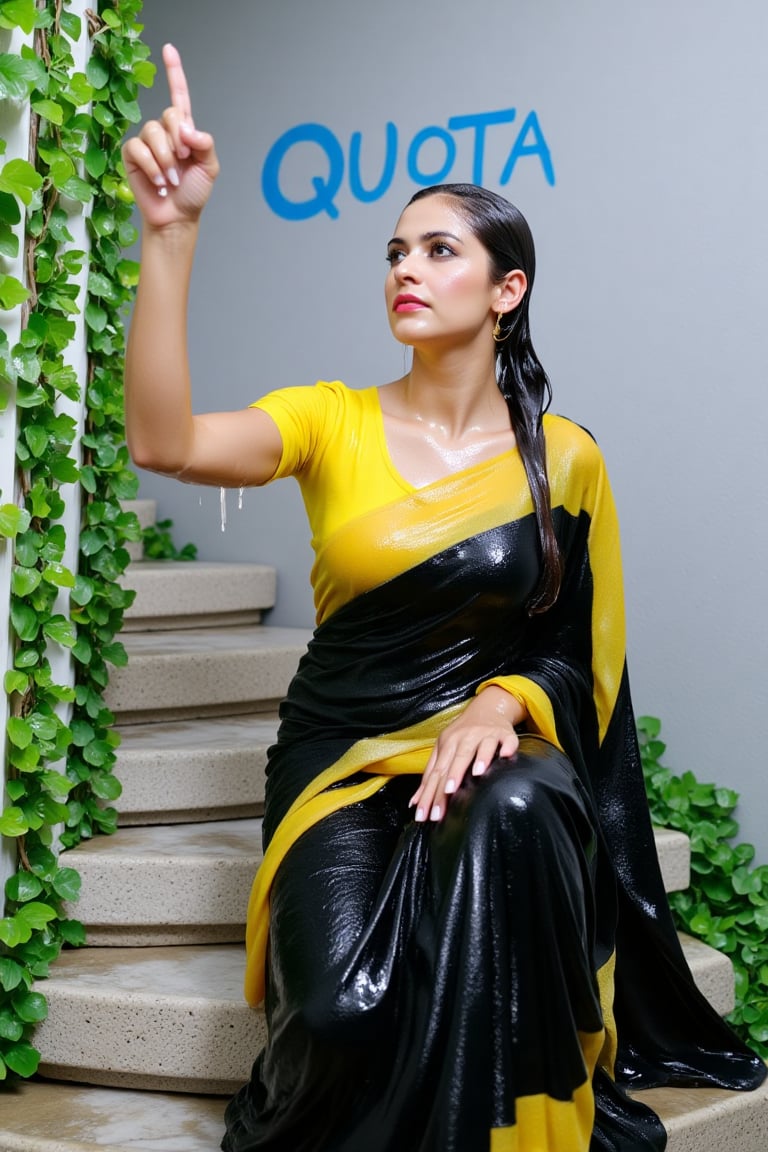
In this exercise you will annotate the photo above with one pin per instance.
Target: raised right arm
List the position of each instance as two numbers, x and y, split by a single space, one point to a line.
171 167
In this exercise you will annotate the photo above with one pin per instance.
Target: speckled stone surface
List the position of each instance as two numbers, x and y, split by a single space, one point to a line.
210 769
189 883
712 971
177 883
171 1018
710 1120
174 1017
173 675
196 594
56 1117
674 850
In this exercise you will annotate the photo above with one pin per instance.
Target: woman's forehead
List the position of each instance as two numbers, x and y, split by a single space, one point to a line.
431 214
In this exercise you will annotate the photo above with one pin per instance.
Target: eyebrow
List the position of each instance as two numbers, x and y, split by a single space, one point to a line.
427 236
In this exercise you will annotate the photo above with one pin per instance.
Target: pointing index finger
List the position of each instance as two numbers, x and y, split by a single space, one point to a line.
177 83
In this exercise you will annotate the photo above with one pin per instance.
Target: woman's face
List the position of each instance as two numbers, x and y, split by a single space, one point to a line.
438 288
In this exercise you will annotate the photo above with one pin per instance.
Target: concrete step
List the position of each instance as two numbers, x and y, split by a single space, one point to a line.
196 594
674 852
180 884
162 1018
174 884
204 672
210 769
146 510
174 1018
711 1120
57 1117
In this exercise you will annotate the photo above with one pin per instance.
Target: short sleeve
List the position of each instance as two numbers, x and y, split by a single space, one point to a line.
305 418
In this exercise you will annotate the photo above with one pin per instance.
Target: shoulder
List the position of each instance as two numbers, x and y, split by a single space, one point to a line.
567 439
325 403
575 463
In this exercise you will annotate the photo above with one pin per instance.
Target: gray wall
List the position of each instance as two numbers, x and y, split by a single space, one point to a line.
649 311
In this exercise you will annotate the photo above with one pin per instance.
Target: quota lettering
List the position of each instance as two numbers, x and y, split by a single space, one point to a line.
318 151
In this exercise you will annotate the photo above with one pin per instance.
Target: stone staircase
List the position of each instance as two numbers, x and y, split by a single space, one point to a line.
148 1032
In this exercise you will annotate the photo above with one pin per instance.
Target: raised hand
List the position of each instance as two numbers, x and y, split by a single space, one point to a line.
170 165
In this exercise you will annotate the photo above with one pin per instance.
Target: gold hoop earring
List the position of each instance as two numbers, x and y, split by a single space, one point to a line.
498 335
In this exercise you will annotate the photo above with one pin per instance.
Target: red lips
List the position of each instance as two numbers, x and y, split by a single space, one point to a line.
405 302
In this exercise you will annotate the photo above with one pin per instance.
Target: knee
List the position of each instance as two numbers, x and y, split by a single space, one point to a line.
523 793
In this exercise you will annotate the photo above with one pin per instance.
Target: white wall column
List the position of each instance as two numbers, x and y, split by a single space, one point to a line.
14 127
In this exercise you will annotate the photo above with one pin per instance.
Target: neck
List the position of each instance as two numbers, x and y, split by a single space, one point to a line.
454 390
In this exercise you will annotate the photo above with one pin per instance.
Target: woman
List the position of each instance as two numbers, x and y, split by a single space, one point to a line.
459 927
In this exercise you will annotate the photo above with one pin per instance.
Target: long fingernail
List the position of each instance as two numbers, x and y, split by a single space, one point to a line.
173 176
435 813
419 815
450 786
478 768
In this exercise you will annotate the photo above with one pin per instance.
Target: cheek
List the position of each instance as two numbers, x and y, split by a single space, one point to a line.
465 283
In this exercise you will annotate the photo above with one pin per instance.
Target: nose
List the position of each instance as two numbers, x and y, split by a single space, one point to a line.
406 270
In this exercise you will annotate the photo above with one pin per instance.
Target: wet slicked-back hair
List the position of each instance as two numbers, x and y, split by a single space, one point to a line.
504 233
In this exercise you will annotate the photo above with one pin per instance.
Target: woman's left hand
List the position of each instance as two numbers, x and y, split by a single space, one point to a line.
485 729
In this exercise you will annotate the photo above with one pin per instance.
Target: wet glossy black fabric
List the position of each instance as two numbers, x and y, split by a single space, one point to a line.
399 955
422 980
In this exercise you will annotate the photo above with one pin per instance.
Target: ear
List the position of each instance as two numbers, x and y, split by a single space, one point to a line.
511 291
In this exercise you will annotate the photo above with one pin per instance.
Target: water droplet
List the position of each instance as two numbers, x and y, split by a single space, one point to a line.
240 499
223 505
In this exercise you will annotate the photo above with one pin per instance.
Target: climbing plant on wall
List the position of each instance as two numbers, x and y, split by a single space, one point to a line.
61 743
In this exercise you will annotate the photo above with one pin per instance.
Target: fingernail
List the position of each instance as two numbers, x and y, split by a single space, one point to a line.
419 814
435 813
450 786
162 191
159 179
478 768
173 177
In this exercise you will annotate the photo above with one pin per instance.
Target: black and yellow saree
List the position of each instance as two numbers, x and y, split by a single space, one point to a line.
485 983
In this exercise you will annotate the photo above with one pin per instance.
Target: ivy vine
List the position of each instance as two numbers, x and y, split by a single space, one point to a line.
61 740
726 904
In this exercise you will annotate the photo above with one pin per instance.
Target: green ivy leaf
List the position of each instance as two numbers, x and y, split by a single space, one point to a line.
11 1028
14 681
13 823
71 24
22 887
19 731
18 13
49 110
67 883
12 292
11 973
61 631
22 1059
59 575
9 241
24 619
72 932
36 915
17 77
77 189
13 520
19 177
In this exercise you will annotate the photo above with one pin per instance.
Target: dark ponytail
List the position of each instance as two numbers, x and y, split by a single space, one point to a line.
504 232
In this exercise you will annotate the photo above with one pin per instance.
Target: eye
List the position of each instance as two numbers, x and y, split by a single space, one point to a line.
440 248
394 256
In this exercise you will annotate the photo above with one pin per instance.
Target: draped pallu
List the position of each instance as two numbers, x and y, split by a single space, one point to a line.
487 982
